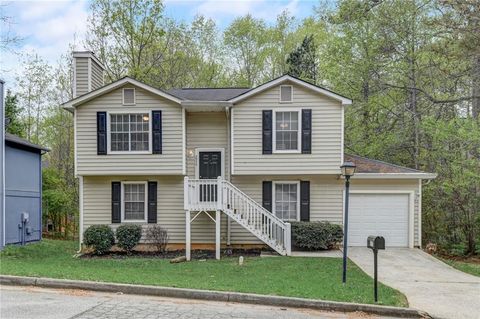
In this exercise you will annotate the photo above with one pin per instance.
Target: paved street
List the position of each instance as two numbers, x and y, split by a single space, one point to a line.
32 302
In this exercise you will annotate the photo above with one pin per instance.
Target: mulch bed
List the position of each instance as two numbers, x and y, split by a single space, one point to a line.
196 254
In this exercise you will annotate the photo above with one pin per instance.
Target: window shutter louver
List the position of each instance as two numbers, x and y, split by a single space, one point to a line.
116 202
157 132
267 195
267 132
101 133
152 202
305 201
306 131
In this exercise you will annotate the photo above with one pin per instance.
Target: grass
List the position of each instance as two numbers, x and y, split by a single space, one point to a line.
317 278
466 265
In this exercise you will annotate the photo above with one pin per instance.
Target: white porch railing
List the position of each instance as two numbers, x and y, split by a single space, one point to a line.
221 195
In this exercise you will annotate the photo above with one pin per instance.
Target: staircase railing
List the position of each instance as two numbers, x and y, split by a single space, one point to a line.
219 194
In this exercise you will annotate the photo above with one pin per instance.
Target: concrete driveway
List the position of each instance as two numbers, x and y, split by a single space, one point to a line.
428 283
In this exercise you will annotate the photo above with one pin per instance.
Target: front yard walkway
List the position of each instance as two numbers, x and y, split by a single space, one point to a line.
316 278
428 283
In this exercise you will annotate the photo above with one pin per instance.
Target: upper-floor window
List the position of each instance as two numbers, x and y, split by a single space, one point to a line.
130 132
286 93
286 135
129 96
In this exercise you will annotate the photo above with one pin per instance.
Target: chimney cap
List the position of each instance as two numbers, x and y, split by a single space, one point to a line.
88 54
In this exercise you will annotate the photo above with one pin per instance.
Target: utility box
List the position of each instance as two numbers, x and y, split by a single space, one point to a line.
376 242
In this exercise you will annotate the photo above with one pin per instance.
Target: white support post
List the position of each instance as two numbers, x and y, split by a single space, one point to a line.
217 234
288 239
185 194
219 193
187 235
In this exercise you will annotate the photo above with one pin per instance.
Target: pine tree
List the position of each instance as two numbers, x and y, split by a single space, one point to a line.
302 62
14 123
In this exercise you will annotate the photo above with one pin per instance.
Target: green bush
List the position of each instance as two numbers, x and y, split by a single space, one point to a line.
316 235
128 236
99 237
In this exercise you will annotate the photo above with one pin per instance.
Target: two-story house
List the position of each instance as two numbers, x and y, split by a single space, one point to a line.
229 166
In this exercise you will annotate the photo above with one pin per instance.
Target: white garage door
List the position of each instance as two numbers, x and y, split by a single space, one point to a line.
381 215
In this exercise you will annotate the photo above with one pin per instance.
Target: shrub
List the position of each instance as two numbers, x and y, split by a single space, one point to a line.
128 236
316 235
157 236
99 237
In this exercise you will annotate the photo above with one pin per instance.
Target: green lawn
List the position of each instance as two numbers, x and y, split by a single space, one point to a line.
318 278
465 266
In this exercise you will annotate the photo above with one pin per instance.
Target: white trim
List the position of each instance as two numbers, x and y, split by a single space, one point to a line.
420 213
184 143
280 94
274 183
75 160
110 152
197 159
80 210
411 207
122 203
394 175
265 86
342 142
134 96
112 86
89 75
232 137
274 131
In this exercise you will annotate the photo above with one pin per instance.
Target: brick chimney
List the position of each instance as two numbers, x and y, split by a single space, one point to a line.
88 72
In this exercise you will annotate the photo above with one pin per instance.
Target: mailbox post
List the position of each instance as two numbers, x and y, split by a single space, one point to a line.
375 243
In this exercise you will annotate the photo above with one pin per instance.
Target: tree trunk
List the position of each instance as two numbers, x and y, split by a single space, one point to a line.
476 88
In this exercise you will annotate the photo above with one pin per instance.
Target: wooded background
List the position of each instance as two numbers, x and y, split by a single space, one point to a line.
412 68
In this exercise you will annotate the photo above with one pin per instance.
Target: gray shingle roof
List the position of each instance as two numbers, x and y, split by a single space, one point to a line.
23 142
367 165
207 94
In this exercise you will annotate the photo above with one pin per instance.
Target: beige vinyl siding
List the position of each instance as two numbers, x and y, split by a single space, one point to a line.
170 162
207 130
81 76
97 75
170 214
326 135
326 198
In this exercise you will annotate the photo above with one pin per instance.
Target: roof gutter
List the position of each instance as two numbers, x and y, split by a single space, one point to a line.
395 176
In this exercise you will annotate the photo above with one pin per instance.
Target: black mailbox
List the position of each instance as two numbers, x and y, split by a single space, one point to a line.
376 242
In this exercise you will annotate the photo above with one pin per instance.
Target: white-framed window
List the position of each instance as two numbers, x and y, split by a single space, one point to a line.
128 96
286 200
129 132
134 201
286 94
286 131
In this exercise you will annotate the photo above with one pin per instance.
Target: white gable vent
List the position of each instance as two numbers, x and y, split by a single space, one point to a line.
128 96
286 93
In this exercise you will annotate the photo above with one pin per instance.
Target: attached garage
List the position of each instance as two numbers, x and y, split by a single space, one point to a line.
387 214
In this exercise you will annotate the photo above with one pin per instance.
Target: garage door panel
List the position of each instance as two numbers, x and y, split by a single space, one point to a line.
381 215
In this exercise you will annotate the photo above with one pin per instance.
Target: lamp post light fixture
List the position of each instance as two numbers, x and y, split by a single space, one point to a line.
348 170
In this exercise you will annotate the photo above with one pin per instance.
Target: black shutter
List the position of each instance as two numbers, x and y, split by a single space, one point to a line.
305 201
267 132
152 202
306 131
116 202
157 132
267 195
102 133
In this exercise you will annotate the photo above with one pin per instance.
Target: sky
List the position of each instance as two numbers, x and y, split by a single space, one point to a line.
47 27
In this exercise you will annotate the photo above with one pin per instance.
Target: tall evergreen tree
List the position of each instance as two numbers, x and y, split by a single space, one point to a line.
14 124
302 62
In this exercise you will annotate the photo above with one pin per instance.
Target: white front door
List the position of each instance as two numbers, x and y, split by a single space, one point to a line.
384 215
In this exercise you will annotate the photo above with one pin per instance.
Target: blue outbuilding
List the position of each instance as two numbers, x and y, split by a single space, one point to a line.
23 190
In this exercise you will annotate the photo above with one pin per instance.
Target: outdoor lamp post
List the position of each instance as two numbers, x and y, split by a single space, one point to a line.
348 169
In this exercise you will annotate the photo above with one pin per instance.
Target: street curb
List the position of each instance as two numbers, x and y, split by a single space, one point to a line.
213 296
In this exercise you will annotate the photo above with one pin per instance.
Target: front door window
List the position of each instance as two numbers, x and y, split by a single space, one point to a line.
209 167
